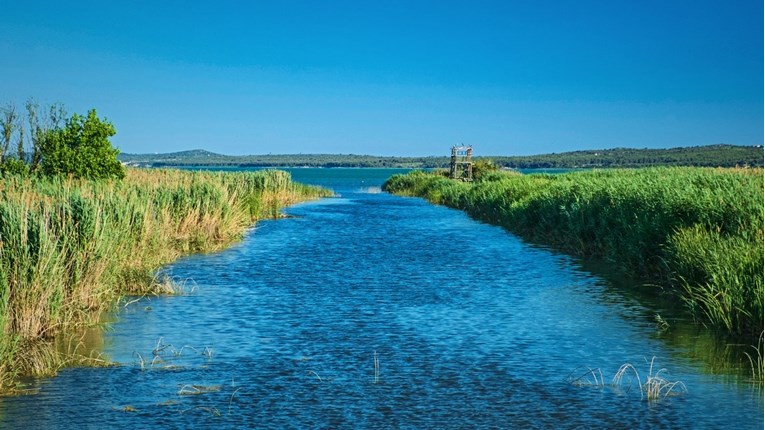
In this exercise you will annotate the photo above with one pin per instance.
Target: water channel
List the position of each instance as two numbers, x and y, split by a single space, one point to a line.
375 311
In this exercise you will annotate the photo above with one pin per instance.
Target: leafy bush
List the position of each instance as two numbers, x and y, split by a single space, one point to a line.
82 149
14 166
483 167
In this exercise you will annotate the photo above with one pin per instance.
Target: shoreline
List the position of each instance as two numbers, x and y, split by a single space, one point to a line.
665 226
101 241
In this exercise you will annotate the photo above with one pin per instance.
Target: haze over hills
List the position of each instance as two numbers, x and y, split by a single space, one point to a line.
710 156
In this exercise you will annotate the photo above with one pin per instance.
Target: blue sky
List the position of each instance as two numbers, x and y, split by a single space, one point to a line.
394 77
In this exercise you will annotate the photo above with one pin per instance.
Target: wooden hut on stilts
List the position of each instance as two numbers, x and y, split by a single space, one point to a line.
461 166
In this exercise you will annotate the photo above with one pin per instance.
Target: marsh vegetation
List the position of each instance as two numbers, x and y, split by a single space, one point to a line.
695 233
69 248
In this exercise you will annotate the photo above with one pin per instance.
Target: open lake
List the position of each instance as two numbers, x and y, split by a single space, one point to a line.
375 311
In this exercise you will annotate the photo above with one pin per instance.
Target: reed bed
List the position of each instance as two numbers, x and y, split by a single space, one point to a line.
69 249
695 232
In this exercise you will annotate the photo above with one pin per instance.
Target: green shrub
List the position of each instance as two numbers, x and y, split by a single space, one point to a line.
14 167
81 149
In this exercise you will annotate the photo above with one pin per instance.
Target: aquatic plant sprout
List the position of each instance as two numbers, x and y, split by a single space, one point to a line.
654 387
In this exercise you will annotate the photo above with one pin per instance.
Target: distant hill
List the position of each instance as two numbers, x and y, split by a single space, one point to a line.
193 154
710 156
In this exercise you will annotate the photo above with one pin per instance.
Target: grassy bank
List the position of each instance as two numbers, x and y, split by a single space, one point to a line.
70 248
696 232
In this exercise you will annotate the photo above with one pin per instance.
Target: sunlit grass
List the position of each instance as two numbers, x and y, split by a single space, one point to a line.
654 387
697 232
69 249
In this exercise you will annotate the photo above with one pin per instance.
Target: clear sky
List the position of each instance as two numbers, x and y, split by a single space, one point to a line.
394 77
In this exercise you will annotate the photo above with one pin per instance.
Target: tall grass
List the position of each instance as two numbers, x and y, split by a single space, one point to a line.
655 386
70 248
697 232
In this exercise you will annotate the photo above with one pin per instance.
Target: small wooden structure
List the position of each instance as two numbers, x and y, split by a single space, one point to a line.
461 166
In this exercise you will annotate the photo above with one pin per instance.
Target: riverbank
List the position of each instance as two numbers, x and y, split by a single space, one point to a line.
401 312
694 232
69 249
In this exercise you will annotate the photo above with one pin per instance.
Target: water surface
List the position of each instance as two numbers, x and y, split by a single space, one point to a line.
375 311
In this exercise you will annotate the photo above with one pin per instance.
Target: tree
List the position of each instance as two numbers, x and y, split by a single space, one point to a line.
20 143
35 133
81 148
39 129
16 166
8 122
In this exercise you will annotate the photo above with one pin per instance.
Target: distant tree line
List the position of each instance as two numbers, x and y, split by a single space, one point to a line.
44 141
708 156
702 156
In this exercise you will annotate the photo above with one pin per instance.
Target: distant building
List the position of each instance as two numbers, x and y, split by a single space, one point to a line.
461 166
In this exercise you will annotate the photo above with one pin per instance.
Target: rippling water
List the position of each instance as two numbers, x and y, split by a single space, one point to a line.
375 311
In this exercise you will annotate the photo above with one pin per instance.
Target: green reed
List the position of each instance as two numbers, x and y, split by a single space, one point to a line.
697 232
70 248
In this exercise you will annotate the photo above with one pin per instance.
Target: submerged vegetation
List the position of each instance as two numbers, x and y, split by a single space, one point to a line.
69 248
696 232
